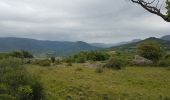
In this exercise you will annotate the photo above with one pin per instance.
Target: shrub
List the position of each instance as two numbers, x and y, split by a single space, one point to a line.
4 55
52 59
21 54
167 56
78 69
10 62
16 83
88 56
57 62
164 62
69 64
115 63
80 60
99 69
45 62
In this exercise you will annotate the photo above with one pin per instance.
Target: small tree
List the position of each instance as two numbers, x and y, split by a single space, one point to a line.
52 59
151 51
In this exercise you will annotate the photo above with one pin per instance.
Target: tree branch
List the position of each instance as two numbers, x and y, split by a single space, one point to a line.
152 9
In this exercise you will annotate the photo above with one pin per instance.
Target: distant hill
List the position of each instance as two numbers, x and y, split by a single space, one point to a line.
131 47
166 37
103 45
42 47
108 45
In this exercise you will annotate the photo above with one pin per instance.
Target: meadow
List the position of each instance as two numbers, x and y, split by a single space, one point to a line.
79 82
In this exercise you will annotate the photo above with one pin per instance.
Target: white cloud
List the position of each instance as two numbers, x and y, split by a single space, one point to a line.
74 20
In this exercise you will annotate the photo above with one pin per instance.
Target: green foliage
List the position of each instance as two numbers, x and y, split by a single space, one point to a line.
115 63
88 56
21 54
4 55
16 83
97 56
150 51
167 56
57 62
78 69
99 69
25 92
45 62
52 59
42 62
69 64
80 60
164 62
168 8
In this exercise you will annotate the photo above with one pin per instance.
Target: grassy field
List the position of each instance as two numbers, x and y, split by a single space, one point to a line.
83 83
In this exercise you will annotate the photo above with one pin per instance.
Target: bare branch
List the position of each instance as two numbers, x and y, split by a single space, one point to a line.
149 6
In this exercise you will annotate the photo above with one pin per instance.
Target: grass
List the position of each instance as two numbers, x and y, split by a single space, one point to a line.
132 83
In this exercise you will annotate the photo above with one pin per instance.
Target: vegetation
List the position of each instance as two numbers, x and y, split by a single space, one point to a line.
52 59
168 8
78 82
85 76
115 63
151 51
16 83
82 57
165 62
99 69
131 48
21 54
44 62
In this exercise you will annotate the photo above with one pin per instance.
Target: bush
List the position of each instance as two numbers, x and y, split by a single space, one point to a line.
164 62
21 54
52 59
78 69
82 57
99 69
57 62
167 56
69 64
115 63
80 60
16 83
44 62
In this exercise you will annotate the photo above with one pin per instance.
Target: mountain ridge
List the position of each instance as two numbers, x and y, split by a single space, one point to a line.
58 48
165 45
166 37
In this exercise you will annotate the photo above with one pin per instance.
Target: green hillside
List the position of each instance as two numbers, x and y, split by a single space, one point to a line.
131 47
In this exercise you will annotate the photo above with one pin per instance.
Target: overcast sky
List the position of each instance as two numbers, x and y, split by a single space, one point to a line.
107 21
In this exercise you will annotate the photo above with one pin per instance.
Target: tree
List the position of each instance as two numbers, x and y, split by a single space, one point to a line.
27 54
52 59
155 7
151 51
21 54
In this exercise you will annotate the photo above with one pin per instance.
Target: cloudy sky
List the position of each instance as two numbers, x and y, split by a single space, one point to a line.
107 21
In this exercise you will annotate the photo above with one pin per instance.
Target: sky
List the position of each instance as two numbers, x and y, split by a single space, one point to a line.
92 21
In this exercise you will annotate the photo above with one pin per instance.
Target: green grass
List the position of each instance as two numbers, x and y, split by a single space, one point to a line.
83 83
